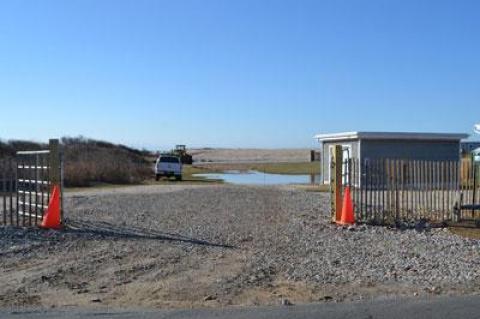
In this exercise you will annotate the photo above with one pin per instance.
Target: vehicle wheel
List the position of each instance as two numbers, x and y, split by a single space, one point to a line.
157 177
178 177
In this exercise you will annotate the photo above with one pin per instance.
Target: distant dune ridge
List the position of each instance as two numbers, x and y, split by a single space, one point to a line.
89 161
250 155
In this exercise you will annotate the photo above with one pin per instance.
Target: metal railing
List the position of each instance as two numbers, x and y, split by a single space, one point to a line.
26 183
33 185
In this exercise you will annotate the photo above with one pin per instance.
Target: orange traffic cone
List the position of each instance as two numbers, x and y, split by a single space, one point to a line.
348 217
51 219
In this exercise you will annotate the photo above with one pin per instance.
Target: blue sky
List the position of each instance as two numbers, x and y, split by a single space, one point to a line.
246 73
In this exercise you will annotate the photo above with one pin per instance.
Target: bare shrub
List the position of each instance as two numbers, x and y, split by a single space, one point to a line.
90 161
9 148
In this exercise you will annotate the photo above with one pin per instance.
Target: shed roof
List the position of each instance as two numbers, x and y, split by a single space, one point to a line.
390 136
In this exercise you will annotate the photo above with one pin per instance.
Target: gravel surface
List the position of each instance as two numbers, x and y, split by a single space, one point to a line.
216 245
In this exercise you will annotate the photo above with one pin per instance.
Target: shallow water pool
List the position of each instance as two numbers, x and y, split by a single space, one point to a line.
259 178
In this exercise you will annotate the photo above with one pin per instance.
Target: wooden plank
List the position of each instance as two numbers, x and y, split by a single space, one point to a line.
450 188
386 206
425 191
409 189
361 172
457 182
445 186
402 190
13 176
391 173
437 191
368 177
442 189
384 180
429 193
467 184
365 187
45 198
33 152
29 200
398 163
33 204
406 189
32 181
26 214
431 190
474 188
55 171
4 191
434 190
379 190
420 189
397 211
414 186
352 183
453 182
463 180
447 189
336 183
477 184
358 208
412 193
372 189
54 162
427 186
33 167
36 172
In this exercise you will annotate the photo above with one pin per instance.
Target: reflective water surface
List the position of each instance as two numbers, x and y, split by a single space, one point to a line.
259 178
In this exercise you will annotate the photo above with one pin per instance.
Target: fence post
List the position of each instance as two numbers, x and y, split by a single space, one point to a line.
474 176
336 183
55 174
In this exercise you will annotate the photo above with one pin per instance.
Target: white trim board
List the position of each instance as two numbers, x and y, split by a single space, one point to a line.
390 136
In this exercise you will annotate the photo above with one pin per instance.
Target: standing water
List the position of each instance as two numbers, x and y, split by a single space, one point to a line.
259 178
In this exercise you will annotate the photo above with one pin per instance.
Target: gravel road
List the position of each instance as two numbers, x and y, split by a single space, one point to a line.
177 246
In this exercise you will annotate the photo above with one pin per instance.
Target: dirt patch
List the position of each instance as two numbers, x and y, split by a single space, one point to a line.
282 292
467 232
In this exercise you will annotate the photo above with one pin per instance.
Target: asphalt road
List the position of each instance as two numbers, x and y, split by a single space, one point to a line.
438 308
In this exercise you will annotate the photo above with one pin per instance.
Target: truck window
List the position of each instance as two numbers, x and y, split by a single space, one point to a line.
168 159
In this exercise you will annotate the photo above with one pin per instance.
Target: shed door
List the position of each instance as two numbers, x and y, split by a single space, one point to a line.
347 154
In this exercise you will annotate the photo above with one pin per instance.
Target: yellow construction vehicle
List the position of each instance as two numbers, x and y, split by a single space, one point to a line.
181 151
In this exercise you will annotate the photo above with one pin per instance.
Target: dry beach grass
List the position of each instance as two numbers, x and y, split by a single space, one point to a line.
232 155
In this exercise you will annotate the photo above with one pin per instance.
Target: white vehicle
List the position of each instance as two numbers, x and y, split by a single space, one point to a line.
168 165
